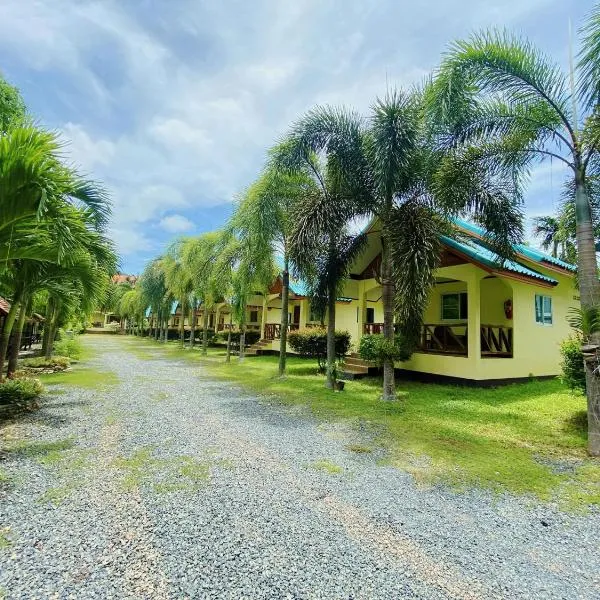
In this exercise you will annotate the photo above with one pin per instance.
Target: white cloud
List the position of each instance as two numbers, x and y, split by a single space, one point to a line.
176 107
176 224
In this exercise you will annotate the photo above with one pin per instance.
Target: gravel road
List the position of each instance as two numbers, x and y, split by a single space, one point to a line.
170 484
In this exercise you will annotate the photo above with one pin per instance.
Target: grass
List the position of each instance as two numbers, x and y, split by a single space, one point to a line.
82 377
527 439
41 450
327 467
55 495
163 474
5 540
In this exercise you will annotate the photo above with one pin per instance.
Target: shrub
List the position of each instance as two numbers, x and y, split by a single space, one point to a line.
55 363
20 393
69 347
312 343
251 337
375 348
573 370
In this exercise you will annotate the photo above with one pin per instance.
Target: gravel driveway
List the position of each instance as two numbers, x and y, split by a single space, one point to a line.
170 484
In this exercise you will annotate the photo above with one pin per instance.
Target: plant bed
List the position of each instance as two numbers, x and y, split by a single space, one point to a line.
41 365
19 395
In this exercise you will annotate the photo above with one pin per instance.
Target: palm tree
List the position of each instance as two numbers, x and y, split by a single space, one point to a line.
154 290
12 107
385 167
199 255
548 228
82 271
505 105
264 220
321 247
178 280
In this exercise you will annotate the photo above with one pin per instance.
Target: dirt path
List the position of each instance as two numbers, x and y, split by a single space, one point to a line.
169 484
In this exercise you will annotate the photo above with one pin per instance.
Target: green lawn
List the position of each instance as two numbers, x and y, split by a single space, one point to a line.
524 438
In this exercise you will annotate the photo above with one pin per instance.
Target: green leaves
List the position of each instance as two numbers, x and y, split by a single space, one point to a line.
588 65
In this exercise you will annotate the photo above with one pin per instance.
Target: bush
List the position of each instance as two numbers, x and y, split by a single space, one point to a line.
70 347
251 337
375 348
573 370
20 393
200 333
312 343
54 363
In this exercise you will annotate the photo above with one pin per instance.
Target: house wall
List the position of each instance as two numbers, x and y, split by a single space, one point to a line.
535 346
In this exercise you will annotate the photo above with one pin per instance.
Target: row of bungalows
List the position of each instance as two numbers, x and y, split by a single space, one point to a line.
488 321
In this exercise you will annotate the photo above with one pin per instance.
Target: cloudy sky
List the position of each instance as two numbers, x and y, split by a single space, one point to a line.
173 104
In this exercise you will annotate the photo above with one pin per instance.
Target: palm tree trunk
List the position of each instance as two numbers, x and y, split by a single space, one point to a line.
6 332
589 289
228 359
331 376
193 323
205 331
157 319
17 336
182 324
242 349
49 312
285 296
388 293
51 332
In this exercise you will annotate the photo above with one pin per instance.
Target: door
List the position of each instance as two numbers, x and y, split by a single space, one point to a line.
296 319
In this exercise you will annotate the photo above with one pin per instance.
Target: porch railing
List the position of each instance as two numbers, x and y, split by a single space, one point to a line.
370 328
442 338
496 341
273 330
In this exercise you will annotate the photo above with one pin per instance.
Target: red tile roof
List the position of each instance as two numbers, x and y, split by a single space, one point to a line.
124 278
4 306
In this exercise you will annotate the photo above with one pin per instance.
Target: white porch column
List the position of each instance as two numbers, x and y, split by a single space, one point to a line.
263 319
474 320
360 320
303 312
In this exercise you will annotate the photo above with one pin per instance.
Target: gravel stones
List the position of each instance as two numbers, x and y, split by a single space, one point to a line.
180 486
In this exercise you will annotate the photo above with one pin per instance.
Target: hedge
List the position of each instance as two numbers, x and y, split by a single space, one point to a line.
312 343
251 337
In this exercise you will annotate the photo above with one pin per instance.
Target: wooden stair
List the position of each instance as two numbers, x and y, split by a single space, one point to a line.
257 348
356 368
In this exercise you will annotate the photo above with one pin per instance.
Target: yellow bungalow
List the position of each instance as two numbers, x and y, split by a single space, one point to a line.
484 322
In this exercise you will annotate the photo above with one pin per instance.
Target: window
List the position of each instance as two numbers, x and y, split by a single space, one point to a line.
543 310
454 306
253 316
370 315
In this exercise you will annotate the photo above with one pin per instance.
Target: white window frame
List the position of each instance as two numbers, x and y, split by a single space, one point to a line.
460 317
544 313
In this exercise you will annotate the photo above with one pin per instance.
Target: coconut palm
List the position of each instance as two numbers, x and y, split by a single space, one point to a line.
264 220
504 104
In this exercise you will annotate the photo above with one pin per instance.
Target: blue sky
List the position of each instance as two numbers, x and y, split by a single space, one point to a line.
174 104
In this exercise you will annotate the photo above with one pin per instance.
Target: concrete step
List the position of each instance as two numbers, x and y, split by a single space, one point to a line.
354 372
351 360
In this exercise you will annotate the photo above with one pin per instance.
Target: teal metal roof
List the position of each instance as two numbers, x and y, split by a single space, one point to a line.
532 254
482 254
